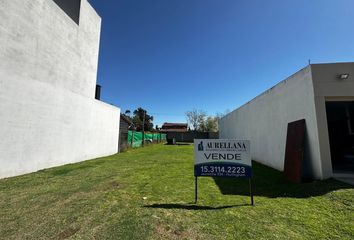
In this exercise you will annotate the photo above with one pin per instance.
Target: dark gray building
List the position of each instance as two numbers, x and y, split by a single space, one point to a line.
124 126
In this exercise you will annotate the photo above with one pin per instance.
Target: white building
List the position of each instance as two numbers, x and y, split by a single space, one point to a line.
323 95
48 68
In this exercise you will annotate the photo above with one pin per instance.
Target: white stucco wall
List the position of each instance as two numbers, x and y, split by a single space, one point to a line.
46 126
264 122
38 41
48 66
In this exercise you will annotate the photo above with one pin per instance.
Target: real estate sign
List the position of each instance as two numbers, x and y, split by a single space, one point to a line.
222 158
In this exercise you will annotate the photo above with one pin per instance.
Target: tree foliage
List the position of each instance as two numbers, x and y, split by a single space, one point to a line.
211 124
201 122
196 119
139 117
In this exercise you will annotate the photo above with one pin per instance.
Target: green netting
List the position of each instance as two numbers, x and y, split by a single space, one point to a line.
148 136
138 138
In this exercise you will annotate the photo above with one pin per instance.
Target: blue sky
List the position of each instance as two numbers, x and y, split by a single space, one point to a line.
170 56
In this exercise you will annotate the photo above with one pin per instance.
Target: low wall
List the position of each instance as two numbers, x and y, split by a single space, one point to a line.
190 136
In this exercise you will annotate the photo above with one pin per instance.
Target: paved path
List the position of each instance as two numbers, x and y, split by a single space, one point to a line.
349 180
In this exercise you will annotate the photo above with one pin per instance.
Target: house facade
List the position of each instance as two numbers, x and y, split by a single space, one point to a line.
174 127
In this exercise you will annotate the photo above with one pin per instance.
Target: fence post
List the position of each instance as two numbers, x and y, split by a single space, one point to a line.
144 127
143 140
132 140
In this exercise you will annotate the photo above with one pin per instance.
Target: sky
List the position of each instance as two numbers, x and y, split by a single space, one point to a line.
173 56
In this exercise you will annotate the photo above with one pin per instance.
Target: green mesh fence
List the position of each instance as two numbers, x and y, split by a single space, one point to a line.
148 136
135 139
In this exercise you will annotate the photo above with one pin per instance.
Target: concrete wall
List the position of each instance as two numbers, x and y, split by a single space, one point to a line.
264 121
327 87
39 41
48 66
190 136
47 126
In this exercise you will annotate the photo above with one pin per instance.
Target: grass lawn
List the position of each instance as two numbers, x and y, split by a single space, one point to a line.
148 193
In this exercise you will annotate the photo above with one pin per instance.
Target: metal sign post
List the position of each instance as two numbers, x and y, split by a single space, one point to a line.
251 191
196 190
222 158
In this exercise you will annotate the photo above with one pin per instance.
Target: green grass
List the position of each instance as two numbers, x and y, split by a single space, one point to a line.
148 193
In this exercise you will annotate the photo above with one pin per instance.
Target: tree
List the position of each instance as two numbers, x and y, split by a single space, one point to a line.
196 119
211 124
141 118
203 123
127 113
217 118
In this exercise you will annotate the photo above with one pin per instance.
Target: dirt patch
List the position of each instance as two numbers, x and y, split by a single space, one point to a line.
114 184
110 185
68 233
175 234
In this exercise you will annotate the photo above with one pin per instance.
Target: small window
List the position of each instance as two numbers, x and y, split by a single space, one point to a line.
71 8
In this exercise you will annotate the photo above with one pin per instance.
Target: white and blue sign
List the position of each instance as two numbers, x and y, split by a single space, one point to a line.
222 158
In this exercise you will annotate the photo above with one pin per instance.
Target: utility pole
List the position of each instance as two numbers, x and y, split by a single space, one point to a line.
143 128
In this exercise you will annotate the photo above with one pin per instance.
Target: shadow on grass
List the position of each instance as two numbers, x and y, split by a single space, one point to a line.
68 168
191 206
268 182
179 144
